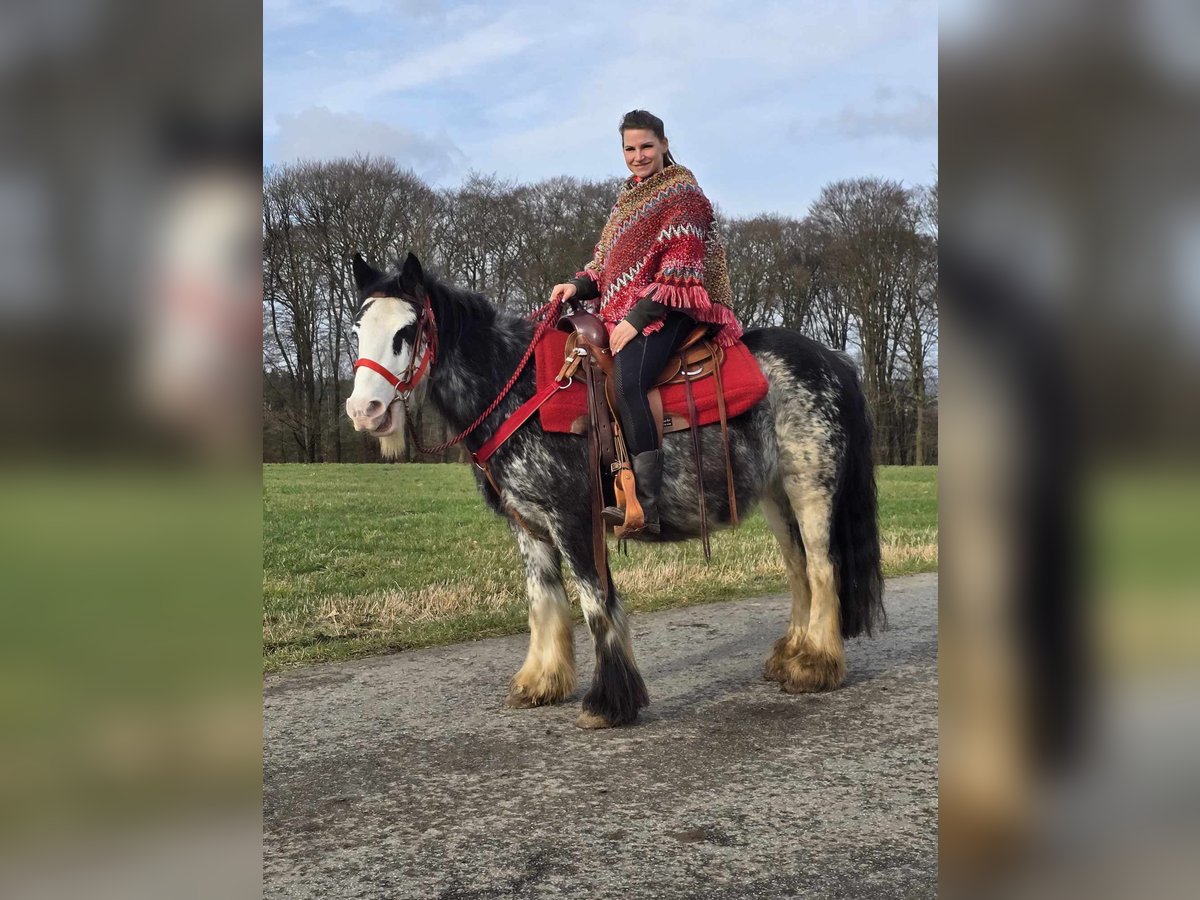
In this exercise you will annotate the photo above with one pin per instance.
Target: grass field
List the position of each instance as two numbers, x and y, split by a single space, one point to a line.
361 559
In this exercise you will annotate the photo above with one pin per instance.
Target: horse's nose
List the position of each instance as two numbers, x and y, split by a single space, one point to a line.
365 412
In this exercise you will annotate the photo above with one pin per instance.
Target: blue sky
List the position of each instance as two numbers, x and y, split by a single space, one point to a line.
764 101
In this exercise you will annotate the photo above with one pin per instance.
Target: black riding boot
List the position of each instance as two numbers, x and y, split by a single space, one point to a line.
647 473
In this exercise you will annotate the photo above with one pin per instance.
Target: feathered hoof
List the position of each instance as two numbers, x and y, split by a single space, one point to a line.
812 672
542 691
784 649
518 700
591 721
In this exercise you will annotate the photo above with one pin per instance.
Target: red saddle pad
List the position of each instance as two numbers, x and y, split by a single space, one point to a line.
743 379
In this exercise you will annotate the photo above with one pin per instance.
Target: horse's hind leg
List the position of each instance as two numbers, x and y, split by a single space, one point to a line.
548 674
777 511
819 664
617 691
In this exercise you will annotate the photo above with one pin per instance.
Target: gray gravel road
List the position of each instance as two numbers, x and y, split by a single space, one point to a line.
403 776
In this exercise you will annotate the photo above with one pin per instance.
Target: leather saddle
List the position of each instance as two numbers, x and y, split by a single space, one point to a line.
696 358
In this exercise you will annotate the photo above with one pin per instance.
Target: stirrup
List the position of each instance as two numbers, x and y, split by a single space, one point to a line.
625 492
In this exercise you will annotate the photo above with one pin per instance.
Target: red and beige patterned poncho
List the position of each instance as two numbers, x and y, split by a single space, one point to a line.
661 241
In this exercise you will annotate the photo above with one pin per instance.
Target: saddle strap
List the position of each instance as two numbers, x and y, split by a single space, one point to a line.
720 385
691 401
599 541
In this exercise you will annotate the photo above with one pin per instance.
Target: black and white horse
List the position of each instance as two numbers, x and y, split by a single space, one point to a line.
803 453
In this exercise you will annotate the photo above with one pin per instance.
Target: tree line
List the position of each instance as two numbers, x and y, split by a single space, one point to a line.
858 273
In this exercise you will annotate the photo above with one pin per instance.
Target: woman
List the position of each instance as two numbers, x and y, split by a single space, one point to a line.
658 269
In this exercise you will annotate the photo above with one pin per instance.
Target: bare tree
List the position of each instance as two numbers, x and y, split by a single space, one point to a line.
316 215
559 221
292 307
478 238
858 273
920 300
872 256
752 248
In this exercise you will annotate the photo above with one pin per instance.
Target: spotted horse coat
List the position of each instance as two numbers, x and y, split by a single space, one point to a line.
803 454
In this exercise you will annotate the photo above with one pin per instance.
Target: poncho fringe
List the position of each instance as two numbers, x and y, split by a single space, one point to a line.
661 241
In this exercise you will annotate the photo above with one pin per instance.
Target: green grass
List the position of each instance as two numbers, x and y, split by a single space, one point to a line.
362 559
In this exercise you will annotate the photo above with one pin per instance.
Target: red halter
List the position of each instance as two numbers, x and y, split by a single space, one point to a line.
426 341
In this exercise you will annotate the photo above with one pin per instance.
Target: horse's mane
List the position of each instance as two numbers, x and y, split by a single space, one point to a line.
456 307
465 317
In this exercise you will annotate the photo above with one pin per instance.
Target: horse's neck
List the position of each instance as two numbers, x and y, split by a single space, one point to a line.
478 349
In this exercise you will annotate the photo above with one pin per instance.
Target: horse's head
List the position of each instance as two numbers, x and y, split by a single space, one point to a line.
387 329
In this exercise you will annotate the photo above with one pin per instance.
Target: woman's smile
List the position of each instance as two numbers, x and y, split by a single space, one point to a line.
645 154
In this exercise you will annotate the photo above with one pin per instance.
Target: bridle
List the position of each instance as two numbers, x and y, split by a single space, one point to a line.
427 342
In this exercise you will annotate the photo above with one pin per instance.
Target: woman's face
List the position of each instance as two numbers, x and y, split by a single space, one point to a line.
645 154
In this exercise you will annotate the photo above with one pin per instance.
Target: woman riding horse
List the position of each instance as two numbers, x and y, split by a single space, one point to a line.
658 269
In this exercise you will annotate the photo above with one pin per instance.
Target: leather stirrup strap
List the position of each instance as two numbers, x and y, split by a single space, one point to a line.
720 385
654 396
691 400
624 481
599 542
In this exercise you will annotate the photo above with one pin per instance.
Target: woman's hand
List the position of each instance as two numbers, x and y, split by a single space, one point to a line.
563 292
621 335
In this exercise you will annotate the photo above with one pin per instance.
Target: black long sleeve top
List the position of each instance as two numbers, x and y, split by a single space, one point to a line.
644 312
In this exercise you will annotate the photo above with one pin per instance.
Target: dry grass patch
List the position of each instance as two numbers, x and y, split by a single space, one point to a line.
365 559
905 557
652 576
432 603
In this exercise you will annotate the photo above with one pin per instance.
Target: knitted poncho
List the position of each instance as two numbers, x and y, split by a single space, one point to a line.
661 240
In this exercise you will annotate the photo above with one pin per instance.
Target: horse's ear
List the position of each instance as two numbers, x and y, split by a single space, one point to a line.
364 275
411 276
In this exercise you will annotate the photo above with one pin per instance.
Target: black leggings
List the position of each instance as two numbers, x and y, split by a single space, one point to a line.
635 368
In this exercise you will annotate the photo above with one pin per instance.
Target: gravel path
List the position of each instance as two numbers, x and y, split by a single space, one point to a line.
403 776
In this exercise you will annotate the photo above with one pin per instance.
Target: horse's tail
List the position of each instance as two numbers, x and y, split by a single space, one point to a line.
854 538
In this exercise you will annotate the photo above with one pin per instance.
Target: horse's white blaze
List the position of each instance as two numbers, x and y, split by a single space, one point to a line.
373 405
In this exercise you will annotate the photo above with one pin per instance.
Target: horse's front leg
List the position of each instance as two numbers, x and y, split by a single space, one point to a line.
548 675
617 691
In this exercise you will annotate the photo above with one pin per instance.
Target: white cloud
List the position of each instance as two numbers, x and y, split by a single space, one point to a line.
908 114
531 91
491 43
318 133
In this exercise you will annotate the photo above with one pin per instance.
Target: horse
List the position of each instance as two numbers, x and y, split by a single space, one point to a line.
803 454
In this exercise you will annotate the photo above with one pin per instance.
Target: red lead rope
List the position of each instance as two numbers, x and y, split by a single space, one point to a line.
547 313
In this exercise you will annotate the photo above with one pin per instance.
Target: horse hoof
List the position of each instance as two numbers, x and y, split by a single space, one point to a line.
813 673
542 688
520 701
777 663
591 721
